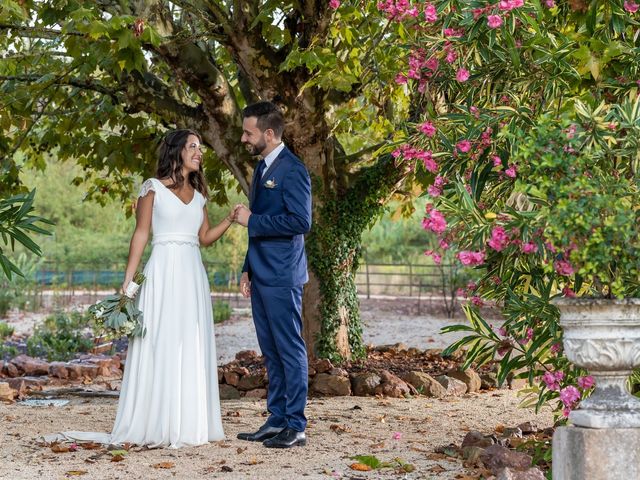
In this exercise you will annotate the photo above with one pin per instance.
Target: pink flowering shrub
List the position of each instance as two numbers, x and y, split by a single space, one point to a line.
536 187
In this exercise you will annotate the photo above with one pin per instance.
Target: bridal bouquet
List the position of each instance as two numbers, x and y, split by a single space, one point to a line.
117 315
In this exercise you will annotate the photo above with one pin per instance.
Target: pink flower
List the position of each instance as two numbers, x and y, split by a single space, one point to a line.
401 79
452 32
511 171
550 380
502 331
563 268
430 14
428 129
568 292
397 436
437 259
565 412
452 56
434 190
477 301
469 258
434 220
494 21
631 7
444 245
462 75
499 239
334 4
569 395
463 146
586 383
529 247
550 3
555 348
432 64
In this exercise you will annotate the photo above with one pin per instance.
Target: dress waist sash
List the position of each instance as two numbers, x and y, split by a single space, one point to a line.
176 238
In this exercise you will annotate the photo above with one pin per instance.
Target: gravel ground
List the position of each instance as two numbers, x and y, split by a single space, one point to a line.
339 428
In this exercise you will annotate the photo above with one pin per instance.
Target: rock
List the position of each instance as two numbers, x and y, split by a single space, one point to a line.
232 378
472 454
477 439
89 370
323 365
528 428
58 370
247 356
395 348
425 384
251 382
469 377
364 384
433 352
452 386
326 384
513 432
27 365
488 380
227 392
22 383
528 474
242 371
340 372
10 370
256 393
75 371
392 386
496 458
7 394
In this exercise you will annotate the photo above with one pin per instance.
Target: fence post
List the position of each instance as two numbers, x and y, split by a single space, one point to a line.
410 281
367 274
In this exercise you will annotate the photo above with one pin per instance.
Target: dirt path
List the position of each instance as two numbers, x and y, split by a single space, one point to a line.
370 424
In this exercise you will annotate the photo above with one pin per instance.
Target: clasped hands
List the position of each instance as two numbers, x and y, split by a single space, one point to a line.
240 215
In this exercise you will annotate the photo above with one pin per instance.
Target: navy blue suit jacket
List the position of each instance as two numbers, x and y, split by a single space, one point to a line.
280 204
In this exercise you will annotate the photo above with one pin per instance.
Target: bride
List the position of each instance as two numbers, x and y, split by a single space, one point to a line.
169 395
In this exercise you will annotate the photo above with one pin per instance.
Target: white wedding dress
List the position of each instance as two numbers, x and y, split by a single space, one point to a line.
169 395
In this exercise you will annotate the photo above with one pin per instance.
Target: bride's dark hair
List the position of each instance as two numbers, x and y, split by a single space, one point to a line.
170 161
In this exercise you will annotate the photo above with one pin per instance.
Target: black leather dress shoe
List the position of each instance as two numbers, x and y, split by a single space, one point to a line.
287 438
264 432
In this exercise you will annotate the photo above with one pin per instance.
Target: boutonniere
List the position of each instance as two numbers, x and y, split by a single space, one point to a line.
270 183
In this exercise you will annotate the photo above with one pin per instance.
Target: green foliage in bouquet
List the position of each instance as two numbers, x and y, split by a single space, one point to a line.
60 337
117 315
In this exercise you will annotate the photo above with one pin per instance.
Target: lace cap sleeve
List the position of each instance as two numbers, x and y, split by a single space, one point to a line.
147 186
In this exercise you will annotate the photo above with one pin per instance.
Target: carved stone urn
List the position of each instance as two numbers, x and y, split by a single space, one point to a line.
603 337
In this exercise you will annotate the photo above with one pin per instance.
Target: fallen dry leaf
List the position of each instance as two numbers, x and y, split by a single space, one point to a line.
339 428
165 465
239 450
117 458
226 468
377 445
58 448
499 428
75 473
361 467
437 469
90 446
233 414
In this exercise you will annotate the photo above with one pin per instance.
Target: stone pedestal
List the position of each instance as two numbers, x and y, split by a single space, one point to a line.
596 454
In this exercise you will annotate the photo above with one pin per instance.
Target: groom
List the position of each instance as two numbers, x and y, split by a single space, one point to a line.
275 269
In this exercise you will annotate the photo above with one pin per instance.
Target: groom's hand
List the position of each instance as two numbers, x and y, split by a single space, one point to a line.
245 285
242 215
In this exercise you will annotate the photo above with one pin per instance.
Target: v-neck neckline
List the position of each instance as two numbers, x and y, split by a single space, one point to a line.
179 199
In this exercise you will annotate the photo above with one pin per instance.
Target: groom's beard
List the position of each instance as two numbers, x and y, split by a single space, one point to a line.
258 148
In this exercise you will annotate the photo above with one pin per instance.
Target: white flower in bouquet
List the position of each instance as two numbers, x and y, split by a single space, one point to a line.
117 315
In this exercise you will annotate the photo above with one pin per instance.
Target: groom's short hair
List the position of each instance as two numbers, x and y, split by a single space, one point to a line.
268 115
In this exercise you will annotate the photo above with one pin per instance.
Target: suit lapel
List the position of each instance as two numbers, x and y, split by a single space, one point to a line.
275 163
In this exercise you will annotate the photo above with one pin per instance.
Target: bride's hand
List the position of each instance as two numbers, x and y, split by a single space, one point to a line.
125 284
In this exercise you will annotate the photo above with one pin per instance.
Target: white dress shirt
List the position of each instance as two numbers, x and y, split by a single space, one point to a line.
268 160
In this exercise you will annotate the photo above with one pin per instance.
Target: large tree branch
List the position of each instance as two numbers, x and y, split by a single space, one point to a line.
86 84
